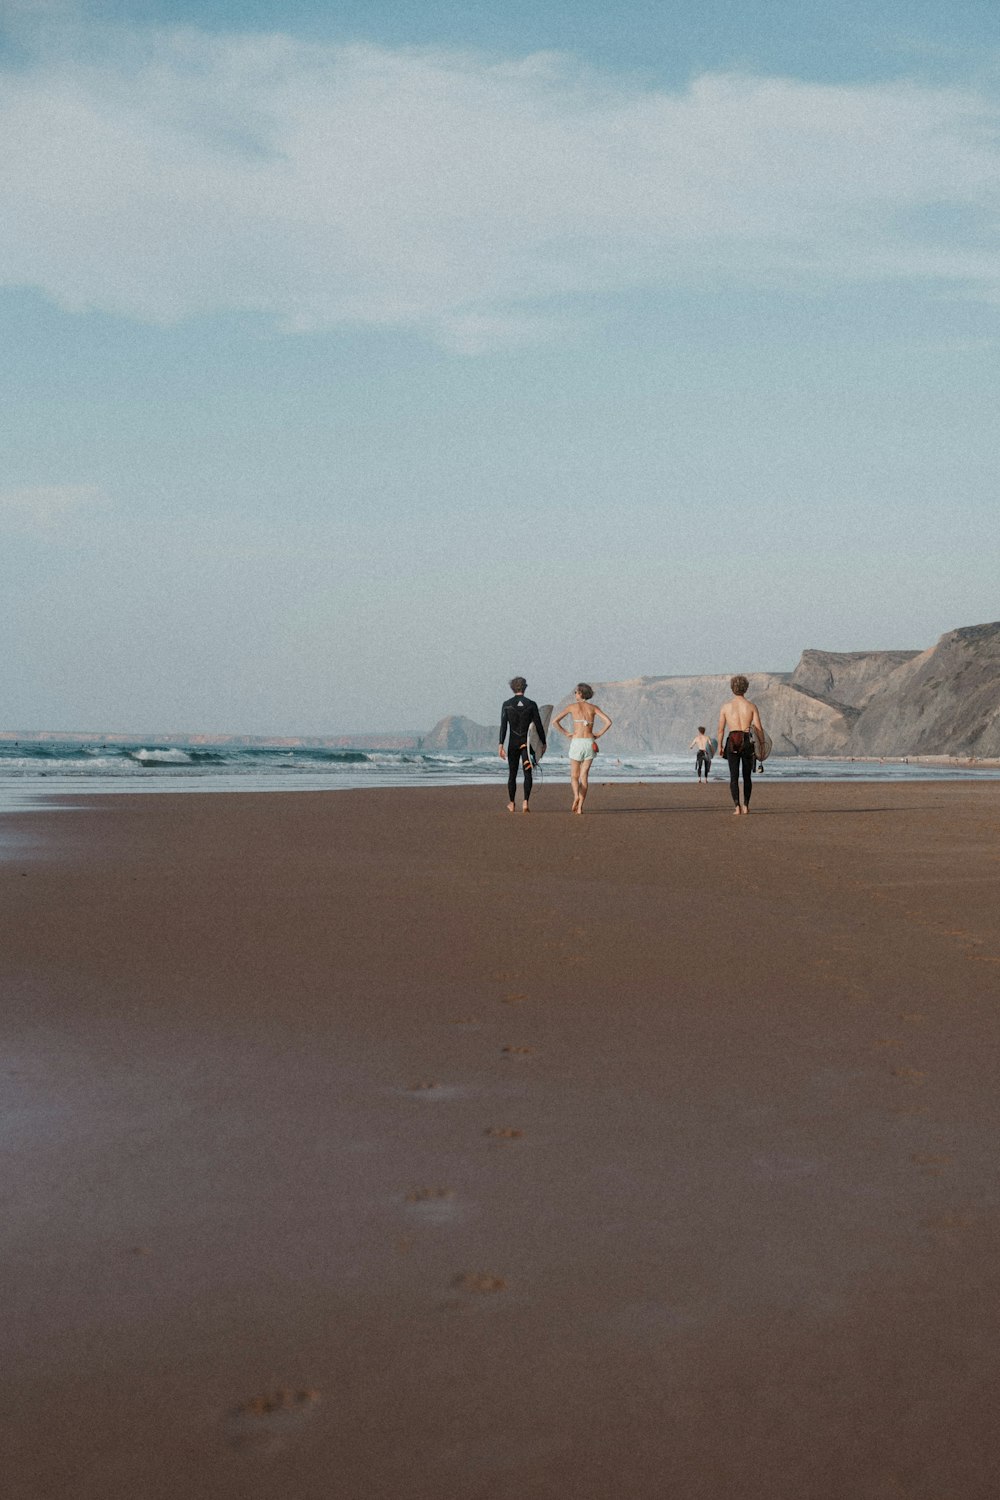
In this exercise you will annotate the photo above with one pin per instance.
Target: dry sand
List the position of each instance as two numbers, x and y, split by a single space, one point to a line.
384 1146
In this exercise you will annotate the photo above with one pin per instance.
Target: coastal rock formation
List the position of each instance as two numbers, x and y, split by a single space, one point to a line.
946 701
846 677
457 734
661 714
801 724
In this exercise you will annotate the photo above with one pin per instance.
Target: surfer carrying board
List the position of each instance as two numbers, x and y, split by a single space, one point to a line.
703 760
582 741
738 719
518 716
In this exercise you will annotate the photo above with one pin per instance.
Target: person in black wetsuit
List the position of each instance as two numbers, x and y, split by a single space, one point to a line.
516 718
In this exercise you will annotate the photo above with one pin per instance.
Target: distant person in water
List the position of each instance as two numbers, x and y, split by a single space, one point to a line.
736 720
582 741
703 745
517 716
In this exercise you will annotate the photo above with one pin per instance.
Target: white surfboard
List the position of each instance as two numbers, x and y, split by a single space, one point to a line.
534 743
762 744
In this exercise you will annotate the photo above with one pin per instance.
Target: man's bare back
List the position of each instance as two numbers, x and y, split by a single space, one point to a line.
738 713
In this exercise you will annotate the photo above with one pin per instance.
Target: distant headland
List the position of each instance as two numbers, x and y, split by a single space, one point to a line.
944 701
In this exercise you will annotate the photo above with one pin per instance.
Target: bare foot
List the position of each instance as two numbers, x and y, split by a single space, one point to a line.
525 808
736 812
510 807
744 810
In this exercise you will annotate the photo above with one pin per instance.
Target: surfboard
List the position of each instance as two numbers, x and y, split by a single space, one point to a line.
713 747
534 743
762 744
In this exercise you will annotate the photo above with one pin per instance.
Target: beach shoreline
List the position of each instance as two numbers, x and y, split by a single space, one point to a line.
43 782
387 1145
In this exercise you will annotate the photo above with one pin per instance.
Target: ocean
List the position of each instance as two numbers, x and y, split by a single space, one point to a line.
48 768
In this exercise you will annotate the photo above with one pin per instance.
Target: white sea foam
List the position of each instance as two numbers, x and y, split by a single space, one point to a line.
162 757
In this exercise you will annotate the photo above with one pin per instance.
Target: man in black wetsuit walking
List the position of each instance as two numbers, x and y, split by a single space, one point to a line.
517 715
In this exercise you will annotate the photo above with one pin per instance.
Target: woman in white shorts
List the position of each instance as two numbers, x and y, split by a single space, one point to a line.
582 741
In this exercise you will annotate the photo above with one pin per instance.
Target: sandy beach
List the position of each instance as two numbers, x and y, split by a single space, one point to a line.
382 1146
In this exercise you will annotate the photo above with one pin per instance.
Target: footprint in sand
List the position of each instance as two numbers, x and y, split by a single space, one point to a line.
517 1051
478 1281
432 1205
782 1167
952 1218
909 1075
436 1093
504 1133
931 1162
267 1422
516 997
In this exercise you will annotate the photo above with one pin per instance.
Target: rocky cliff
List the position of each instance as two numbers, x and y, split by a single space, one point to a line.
846 677
456 734
945 701
661 714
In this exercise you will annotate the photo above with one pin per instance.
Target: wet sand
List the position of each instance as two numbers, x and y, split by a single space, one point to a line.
384 1146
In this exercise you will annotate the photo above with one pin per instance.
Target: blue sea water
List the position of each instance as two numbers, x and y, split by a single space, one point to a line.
49 768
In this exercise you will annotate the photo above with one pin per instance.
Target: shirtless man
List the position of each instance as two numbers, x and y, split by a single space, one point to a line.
703 760
737 718
583 740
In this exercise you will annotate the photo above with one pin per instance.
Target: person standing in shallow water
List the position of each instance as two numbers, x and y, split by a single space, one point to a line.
583 740
517 716
736 720
703 760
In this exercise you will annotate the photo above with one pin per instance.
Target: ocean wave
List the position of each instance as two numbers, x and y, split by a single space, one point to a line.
316 755
78 766
160 757
15 751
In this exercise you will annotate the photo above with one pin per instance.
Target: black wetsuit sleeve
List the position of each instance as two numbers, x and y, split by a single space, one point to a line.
503 724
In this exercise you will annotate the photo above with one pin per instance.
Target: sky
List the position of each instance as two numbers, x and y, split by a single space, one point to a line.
355 357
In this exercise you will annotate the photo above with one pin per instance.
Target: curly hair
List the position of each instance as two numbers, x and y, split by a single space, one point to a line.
585 690
518 684
739 683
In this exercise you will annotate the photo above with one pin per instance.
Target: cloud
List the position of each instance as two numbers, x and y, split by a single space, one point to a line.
47 510
166 175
